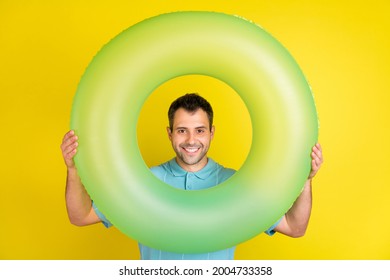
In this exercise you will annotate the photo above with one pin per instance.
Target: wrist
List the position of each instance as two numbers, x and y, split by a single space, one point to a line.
72 170
308 183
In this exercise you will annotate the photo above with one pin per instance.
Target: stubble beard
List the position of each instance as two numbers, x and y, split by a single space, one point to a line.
188 160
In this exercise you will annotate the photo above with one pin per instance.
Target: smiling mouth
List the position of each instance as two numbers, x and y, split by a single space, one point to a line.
191 150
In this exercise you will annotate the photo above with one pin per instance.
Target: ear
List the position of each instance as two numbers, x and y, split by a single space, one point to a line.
212 132
169 132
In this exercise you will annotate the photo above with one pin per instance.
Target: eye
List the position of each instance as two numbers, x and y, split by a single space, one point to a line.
200 131
181 131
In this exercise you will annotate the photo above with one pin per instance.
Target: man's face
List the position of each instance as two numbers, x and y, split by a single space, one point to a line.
190 138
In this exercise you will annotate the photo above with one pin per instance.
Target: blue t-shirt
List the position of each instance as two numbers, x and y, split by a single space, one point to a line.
172 174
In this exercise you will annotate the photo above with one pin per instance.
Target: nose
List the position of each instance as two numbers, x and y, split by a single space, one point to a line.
191 138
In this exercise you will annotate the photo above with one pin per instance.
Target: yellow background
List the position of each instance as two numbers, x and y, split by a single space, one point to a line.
343 49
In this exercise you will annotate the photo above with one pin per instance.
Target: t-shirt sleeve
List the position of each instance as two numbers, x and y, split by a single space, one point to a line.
271 231
101 216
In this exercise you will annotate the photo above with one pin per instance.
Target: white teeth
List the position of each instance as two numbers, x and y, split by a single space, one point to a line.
191 150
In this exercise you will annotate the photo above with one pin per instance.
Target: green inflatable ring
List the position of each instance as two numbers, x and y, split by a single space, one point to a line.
127 70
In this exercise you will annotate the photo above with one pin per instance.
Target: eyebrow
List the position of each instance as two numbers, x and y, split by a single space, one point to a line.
198 127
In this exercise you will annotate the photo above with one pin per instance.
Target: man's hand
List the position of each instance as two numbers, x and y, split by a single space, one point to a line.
294 223
69 148
78 202
317 160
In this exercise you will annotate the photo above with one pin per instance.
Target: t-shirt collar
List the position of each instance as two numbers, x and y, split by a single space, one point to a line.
178 171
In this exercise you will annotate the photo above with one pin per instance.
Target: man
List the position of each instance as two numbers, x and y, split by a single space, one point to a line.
190 132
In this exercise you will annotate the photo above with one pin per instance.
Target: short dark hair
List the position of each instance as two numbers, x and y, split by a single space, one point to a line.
191 102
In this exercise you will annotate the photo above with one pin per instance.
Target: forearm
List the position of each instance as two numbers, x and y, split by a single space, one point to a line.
78 202
294 223
298 216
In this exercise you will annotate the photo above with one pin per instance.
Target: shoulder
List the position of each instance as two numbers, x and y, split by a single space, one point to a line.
161 170
223 172
226 173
